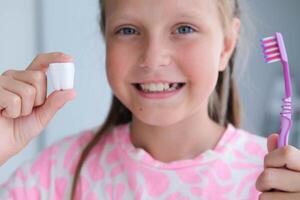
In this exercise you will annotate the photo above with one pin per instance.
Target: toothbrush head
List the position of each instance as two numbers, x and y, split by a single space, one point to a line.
274 49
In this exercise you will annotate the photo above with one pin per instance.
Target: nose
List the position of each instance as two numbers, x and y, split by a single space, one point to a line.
155 53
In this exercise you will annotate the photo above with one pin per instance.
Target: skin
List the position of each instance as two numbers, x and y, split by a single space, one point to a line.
156 49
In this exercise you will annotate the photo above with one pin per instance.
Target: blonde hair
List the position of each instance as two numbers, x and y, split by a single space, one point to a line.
223 108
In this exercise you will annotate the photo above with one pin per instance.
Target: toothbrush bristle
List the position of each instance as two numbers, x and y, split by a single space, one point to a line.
271 49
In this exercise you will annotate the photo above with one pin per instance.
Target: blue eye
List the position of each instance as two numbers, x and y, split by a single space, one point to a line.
126 31
185 29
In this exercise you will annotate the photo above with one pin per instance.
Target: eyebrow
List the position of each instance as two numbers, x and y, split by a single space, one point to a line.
130 16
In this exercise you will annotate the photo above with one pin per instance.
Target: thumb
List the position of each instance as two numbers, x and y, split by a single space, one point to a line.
54 102
272 142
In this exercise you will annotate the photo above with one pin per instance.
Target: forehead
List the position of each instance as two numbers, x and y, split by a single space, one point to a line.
159 9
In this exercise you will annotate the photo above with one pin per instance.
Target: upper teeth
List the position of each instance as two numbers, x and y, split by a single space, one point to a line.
158 87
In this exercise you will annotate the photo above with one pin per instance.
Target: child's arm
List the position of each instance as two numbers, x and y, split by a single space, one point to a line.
281 176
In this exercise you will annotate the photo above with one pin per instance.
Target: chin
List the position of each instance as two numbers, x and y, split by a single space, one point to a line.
161 120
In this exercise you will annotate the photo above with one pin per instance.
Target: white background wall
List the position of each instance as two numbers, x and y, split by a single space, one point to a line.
71 26
18 44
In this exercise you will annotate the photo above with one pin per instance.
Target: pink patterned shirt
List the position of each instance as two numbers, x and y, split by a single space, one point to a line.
116 170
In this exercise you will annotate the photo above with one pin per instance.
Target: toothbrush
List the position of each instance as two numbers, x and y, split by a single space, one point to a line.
274 51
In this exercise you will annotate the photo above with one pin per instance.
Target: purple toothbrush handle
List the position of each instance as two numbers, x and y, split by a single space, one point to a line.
286 122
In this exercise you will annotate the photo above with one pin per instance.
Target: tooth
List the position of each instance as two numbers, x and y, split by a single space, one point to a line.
166 86
160 86
54 77
62 75
146 87
157 87
175 85
152 87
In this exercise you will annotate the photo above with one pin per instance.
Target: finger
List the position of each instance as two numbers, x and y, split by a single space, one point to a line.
279 196
287 157
11 104
279 179
54 102
42 61
25 91
37 79
272 142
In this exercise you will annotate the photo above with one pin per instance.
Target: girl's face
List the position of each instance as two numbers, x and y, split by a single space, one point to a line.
164 56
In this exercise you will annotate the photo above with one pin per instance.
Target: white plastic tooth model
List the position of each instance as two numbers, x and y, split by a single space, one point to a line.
62 75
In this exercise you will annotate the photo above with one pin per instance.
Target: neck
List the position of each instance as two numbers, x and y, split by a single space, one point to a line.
183 140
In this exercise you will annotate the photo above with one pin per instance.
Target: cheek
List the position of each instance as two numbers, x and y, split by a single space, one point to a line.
116 66
201 64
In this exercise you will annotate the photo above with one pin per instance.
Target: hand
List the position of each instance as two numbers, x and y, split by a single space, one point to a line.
281 176
25 109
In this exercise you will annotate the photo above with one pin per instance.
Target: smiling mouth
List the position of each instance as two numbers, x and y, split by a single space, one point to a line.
158 87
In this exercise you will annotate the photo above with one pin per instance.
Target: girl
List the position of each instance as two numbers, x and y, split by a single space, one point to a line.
171 131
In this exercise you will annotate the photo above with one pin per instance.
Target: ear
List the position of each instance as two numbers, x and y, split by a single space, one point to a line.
230 41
